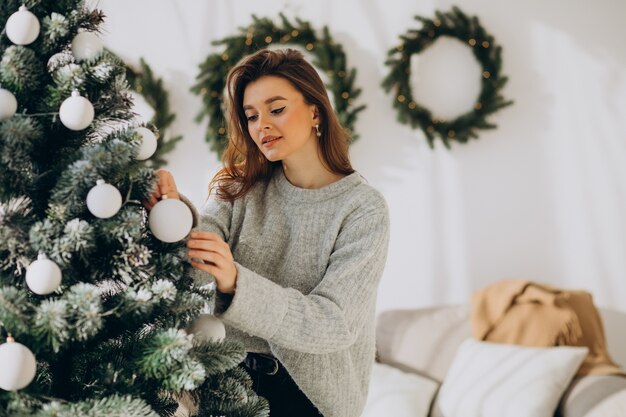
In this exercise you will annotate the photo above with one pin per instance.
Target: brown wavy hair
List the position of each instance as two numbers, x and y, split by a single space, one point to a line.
243 162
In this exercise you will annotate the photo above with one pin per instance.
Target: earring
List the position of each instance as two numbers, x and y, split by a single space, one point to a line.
317 131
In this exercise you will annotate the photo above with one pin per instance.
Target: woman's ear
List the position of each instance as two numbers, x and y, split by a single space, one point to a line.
315 113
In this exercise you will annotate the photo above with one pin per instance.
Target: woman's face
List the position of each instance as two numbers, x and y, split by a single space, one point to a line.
280 122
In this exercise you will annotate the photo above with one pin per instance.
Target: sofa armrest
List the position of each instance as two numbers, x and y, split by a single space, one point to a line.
424 339
594 396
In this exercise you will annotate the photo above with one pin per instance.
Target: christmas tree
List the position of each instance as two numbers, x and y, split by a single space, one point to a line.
96 295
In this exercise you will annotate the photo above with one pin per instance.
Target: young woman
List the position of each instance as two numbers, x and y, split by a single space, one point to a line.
295 239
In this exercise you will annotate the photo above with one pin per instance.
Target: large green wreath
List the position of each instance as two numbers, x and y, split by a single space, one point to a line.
457 25
328 57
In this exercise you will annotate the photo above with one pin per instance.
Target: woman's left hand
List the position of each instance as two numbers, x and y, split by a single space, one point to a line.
217 257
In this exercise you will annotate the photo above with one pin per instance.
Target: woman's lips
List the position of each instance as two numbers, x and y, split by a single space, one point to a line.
269 140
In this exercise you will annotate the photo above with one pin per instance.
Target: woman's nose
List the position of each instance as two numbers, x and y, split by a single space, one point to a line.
264 122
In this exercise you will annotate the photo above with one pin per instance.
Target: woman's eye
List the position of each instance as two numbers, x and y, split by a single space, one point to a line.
276 111
252 117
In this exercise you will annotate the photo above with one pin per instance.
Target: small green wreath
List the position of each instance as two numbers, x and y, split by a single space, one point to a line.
328 57
468 30
143 82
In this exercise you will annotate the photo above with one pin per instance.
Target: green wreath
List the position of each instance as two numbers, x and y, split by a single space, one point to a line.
457 25
328 57
142 81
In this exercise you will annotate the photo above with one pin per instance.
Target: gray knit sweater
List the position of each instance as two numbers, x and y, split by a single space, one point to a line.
308 266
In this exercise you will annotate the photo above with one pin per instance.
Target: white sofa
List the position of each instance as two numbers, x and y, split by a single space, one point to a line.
416 349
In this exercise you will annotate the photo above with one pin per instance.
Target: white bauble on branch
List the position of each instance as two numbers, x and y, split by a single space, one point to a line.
86 45
104 200
43 276
148 143
22 27
207 327
8 104
170 220
76 112
17 364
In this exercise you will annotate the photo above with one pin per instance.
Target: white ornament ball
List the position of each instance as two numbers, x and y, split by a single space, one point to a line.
43 276
86 45
208 327
76 112
170 220
104 200
22 27
148 143
8 104
18 366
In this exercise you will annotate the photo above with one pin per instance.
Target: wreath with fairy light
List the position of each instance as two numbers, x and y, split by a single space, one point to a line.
458 25
328 56
144 83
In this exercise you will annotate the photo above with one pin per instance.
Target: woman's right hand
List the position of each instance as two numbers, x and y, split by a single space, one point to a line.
165 186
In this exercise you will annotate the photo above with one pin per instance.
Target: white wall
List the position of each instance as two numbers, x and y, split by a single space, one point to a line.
542 197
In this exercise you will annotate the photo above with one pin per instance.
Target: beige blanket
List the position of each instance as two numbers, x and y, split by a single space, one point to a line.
531 314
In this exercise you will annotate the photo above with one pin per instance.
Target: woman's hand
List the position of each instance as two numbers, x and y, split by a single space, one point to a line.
217 257
165 186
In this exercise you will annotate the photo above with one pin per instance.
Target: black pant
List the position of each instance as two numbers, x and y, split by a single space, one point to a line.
271 381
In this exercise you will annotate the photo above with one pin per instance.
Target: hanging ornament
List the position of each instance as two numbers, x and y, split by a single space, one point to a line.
207 327
86 45
170 220
76 112
43 276
22 27
8 104
18 365
104 200
148 143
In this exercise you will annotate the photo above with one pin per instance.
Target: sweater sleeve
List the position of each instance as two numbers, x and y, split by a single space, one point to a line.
215 217
330 317
194 211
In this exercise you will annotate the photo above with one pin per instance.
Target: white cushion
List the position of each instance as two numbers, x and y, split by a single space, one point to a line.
499 380
399 394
